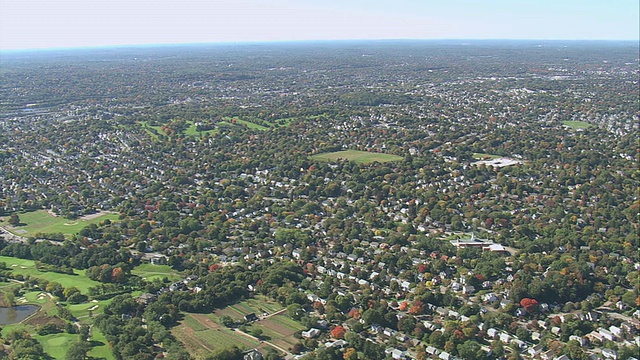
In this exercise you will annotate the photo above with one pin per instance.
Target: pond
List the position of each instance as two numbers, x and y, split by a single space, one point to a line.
15 314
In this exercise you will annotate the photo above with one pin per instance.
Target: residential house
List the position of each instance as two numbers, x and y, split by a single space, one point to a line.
610 354
252 354
311 333
251 317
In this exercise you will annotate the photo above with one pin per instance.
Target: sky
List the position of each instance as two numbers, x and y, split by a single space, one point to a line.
35 24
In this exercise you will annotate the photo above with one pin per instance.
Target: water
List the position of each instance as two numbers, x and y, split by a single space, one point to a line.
13 315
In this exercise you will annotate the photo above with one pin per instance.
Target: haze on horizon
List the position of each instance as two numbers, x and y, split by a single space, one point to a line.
38 24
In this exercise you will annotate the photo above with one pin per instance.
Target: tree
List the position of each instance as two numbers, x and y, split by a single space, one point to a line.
78 350
14 220
257 333
350 354
338 332
470 350
531 305
295 311
232 353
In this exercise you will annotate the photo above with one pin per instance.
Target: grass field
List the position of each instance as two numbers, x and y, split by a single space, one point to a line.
482 156
100 345
251 125
190 131
42 222
28 267
360 157
577 124
56 345
150 272
82 310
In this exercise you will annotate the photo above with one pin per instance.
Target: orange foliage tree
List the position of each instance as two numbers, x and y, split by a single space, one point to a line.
338 332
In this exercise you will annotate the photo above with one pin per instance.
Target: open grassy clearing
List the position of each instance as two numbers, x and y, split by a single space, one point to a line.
34 297
251 125
360 157
150 272
148 128
192 131
154 130
56 345
28 267
483 156
41 221
284 122
577 124
100 345
81 311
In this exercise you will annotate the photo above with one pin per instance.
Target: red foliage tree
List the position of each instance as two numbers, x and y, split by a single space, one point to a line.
338 332
531 305
354 313
417 308
214 267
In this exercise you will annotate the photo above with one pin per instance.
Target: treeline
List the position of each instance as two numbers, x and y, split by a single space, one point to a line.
68 255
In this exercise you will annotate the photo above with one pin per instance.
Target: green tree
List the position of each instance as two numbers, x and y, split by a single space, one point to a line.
232 353
14 220
470 350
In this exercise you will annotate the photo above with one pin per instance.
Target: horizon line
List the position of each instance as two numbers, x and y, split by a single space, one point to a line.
256 42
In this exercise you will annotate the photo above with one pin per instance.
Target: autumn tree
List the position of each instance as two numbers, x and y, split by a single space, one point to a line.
531 305
338 332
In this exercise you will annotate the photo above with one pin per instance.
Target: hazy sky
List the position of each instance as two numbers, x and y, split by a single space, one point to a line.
73 23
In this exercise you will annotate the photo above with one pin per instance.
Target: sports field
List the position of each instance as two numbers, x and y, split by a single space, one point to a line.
360 157
577 124
42 221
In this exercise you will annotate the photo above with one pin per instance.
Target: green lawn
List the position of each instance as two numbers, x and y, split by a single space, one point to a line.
251 125
28 267
82 310
149 272
360 157
42 222
56 345
191 131
147 127
577 124
483 156
36 297
100 348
